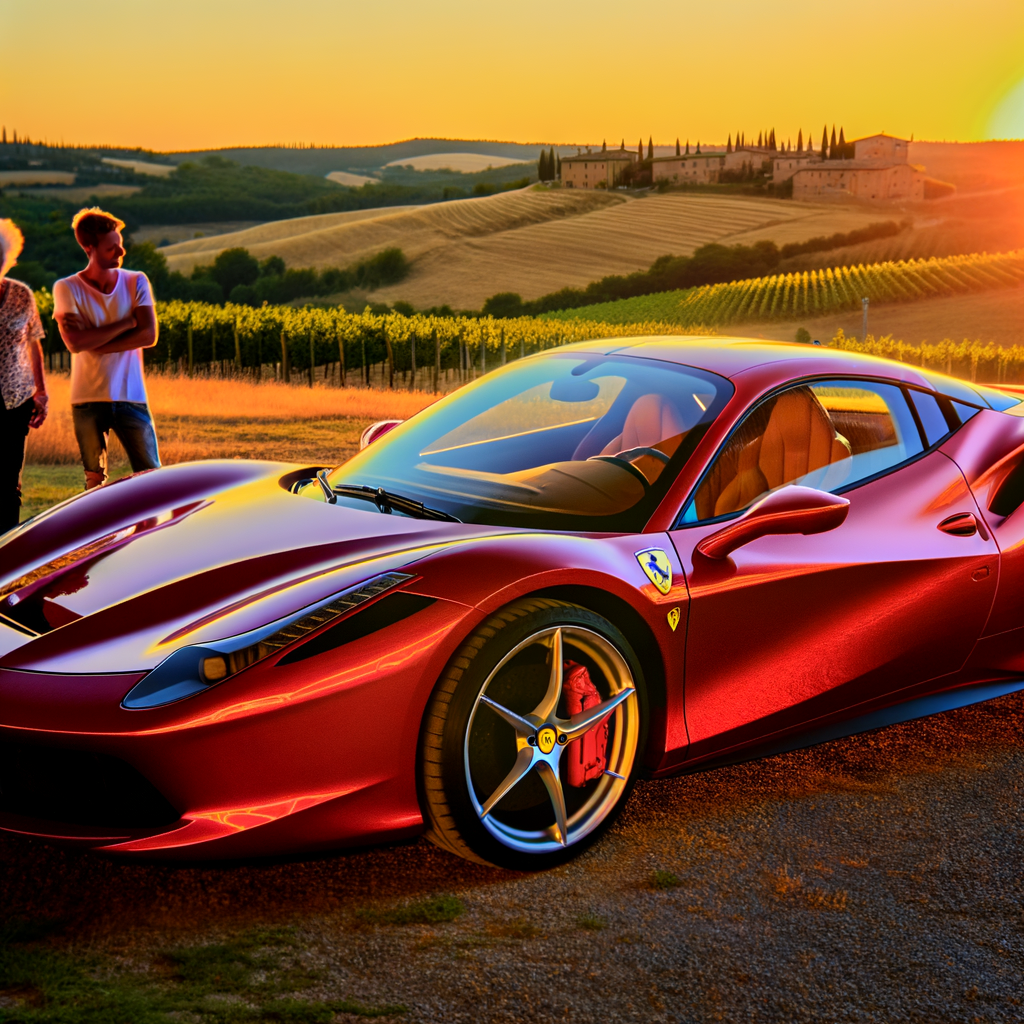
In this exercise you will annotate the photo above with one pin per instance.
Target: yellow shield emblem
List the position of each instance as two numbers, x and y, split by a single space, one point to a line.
546 739
673 619
655 563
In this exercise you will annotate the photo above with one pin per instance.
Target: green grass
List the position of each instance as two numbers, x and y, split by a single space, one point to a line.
592 922
251 977
436 910
664 880
43 486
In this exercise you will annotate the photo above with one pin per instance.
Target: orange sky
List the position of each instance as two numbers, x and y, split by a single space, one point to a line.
208 73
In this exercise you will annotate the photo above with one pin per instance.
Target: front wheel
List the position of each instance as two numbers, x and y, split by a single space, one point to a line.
532 737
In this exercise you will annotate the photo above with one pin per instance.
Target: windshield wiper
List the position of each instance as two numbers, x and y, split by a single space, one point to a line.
388 502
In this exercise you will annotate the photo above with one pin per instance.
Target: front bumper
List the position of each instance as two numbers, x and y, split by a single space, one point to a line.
312 755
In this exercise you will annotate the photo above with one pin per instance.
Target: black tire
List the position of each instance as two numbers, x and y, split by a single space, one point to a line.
469 750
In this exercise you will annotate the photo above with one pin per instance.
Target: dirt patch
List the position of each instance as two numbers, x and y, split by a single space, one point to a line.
871 879
996 316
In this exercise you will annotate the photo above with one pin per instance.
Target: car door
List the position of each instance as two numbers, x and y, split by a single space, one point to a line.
790 628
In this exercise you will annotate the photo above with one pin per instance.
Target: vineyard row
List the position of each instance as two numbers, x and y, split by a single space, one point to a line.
346 346
820 292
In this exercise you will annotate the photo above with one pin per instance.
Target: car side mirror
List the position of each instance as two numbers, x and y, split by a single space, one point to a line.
375 431
790 509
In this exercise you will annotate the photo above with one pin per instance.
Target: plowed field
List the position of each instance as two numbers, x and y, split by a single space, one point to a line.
528 241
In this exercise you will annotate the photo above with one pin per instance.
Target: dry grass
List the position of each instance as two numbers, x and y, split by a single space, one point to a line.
468 163
996 316
36 178
204 418
142 167
349 180
531 241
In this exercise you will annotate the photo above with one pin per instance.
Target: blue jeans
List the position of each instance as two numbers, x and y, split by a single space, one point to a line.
132 424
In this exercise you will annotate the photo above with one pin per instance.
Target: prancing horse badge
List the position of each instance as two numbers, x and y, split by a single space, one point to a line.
655 563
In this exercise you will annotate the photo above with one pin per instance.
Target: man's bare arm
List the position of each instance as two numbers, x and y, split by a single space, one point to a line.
143 335
80 338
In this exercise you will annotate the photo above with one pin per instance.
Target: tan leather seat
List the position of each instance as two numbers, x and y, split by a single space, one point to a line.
651 420
798 439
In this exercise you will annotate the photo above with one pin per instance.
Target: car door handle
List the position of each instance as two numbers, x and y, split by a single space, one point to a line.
962 524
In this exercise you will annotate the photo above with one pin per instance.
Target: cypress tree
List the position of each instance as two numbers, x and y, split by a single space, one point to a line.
687 153
698 148
759 139
558 170
551 163
640 149
678 152
623 146
728 145
843 155
542 166
604 145
650 147
824 143
800 141
833 153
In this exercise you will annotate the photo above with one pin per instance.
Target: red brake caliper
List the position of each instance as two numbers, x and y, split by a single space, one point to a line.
587 757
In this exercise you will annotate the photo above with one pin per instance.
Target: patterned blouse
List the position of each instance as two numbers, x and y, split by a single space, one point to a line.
19 327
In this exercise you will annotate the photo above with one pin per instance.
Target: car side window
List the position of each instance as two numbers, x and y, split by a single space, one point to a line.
830 435
934 421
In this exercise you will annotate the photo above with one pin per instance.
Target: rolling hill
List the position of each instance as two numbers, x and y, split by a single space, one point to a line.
530 241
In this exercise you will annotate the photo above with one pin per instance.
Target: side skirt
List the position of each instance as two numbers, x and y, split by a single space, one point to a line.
919 707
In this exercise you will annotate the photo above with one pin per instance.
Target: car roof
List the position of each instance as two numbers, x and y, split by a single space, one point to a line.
730 356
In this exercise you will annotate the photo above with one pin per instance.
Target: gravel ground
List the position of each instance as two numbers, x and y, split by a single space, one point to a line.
876 878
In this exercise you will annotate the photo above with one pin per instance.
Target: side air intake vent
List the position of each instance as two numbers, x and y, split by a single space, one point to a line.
385 612
78 788
1010 495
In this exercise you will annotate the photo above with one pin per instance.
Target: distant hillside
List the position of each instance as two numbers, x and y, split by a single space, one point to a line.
972 166
355 158
531 241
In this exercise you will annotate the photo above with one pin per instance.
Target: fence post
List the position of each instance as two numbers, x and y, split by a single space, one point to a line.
437 361
189 332
286 370
341 355
391 359
238 349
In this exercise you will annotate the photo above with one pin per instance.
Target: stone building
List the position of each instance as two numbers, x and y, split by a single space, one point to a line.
596 170
696 168
879 171
784 166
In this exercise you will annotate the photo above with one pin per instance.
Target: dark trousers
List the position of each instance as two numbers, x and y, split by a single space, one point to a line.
13 431
132 424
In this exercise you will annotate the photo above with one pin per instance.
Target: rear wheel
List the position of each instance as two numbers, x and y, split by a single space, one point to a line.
531 740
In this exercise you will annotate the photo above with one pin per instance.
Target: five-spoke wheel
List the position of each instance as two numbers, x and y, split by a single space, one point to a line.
532 737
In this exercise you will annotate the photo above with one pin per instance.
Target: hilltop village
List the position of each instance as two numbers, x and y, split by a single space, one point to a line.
876 167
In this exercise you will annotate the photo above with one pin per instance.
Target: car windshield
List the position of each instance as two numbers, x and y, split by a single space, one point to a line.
565 440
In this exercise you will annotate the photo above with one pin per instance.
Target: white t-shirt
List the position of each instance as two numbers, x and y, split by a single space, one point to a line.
114 376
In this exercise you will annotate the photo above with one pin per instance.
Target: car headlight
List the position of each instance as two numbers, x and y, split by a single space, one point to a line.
194 669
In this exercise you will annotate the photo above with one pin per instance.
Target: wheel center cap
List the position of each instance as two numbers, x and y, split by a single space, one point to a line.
546 739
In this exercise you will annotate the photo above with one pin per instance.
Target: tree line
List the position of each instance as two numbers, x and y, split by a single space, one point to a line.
239 277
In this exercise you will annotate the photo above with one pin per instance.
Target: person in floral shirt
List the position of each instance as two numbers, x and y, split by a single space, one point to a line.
22 386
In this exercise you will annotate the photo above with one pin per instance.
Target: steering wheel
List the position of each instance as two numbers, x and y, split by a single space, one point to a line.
625 464
628 454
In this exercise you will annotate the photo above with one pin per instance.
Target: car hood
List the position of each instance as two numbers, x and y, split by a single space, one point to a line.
116 579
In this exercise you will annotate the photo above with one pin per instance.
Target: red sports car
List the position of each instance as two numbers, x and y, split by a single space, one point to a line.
644 556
